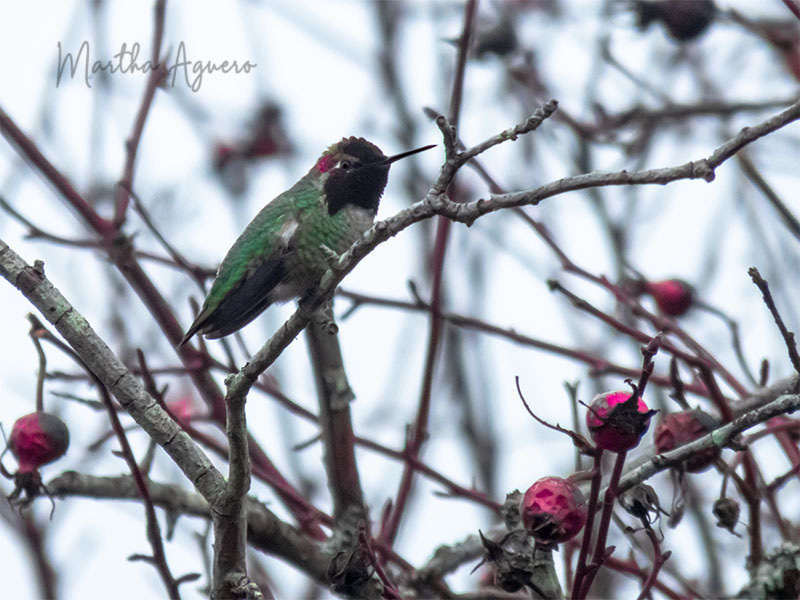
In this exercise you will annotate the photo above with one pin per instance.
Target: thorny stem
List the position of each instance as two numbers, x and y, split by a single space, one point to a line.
586 539
390 592
585 575
599 555
659 558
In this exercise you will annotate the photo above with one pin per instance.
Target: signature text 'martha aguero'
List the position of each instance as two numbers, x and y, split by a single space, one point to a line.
126 62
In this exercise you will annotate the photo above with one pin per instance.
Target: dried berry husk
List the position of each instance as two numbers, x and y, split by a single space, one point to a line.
726 510
684 19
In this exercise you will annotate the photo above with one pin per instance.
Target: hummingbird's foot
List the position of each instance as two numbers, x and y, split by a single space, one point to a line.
323 317
331 257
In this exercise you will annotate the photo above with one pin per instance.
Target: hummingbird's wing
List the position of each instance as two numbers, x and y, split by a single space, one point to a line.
252 269
243 303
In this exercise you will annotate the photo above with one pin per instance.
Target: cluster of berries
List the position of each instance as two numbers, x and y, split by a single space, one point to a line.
554 509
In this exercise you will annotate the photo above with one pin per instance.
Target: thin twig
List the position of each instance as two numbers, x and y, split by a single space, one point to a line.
197 273
157 75
600 551
793 7
419 431
35 333
659 558
787 217
788 336
588 528
581 443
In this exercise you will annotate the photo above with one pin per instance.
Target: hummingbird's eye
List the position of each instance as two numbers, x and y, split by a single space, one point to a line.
345 164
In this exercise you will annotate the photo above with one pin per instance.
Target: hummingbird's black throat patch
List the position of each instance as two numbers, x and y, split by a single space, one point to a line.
361 184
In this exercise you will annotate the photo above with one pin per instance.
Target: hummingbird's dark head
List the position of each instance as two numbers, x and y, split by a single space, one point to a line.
355 171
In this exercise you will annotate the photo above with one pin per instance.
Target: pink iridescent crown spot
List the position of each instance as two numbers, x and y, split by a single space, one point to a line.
325 163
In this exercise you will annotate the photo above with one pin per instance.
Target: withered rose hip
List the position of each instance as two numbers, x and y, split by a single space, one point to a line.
727 512
614 423
677 429
553 510
684 19
37 439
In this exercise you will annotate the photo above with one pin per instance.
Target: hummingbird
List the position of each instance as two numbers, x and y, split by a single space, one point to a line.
287 247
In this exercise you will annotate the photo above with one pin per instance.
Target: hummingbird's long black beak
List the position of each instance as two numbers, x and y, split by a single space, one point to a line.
390 159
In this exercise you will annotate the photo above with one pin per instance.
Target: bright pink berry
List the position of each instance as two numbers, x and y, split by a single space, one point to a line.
37 439
182 409
614 423
677 429
673 296
553 510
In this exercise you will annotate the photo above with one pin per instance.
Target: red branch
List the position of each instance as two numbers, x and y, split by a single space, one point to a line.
419 432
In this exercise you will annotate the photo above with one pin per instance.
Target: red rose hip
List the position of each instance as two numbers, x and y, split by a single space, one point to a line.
673 296
553 510
37 439
615 424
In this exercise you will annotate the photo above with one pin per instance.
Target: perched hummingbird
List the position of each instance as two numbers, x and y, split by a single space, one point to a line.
287 247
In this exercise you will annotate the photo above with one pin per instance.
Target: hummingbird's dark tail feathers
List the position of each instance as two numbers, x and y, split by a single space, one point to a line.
196 325
186 337
194 328
219 326
215 325
240 305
